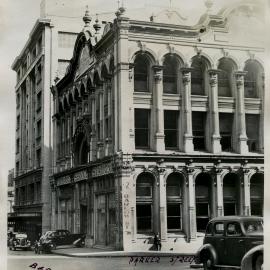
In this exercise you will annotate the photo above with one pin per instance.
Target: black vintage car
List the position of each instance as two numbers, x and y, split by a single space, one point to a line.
19 241
229 239
51 239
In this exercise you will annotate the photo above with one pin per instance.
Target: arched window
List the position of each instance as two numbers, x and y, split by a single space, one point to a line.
170 67
203 196
144 202
197 76
257 194
231 194
141 73
224 77
251 79
174 202
81 150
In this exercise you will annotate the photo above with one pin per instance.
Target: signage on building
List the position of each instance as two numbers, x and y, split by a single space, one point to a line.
63 180
102 169
79 176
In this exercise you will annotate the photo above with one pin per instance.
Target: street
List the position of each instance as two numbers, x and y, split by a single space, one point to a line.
27 260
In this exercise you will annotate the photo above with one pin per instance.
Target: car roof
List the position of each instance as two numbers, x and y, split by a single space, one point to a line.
236 218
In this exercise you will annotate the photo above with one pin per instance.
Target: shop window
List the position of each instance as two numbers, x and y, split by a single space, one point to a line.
203 200
142 128
144 202
171 129
170 75
198 129
141 70
257 194
252 127
197 77
174 202
230 194
225 126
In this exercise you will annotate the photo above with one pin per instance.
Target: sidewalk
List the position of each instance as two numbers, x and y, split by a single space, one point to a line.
95 252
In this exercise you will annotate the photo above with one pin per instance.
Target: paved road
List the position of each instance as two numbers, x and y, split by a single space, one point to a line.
27 260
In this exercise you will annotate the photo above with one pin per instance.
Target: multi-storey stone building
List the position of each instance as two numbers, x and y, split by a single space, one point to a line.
45 55
159 127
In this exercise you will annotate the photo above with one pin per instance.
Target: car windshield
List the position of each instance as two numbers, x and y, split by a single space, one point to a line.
253 226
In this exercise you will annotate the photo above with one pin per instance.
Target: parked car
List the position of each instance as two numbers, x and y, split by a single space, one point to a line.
230 240
51 239
19 241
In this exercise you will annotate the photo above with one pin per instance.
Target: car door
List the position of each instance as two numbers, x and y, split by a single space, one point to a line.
219 241
235 244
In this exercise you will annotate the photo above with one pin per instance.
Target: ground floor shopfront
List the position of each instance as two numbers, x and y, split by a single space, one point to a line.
122 202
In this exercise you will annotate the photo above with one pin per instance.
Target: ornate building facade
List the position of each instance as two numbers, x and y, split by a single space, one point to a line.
159 128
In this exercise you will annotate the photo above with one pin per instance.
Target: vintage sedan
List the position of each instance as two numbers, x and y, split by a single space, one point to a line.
19 241
228 239
51 239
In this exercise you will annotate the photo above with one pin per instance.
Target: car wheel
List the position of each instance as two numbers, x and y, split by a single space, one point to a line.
258 265
208 263
53 246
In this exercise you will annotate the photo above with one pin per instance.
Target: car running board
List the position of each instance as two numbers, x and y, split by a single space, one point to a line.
228 266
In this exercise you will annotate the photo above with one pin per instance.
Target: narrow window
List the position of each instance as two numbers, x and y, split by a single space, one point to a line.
197 77
174 202
142 128
225 126
141 69
170 129
198 129
144 202
170 75
252 127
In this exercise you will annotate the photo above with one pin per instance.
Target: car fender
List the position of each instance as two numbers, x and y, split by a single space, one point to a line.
209 248
246 263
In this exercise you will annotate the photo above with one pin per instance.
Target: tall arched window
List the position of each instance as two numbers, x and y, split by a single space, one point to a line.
144 202
231 194
203 196
174 202
257 194
141 73
170 67
224 77
251 79
81 150
197 76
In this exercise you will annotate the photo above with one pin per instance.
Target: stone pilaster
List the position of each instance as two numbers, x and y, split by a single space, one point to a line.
187 110
240 114
158 109
191 204
162 205
219 192
246 193
213 106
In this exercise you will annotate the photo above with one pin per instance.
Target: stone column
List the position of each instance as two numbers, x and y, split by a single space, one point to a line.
191 204
53 206
246 193
76 209
219 194
240 113
162 205
213 107
158 109
261 125
93 144
186 105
